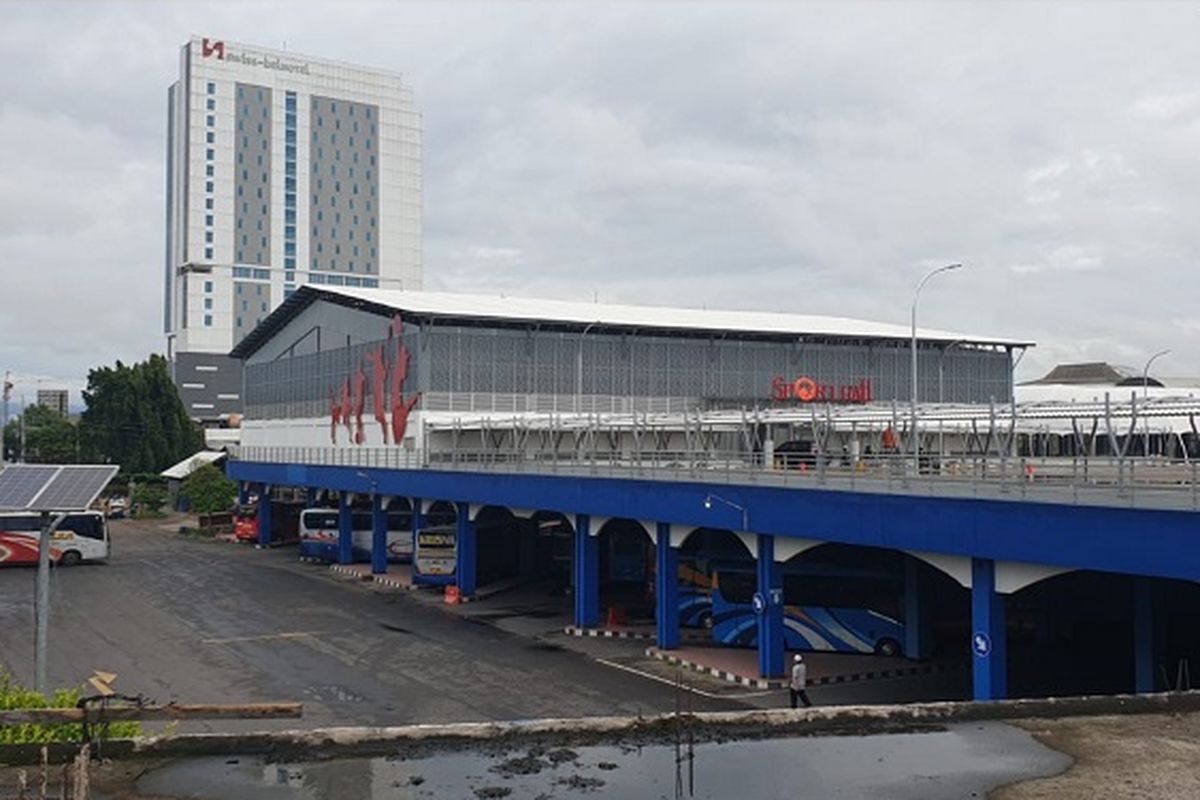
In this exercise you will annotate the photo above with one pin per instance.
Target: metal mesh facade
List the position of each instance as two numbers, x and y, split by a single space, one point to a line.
508 370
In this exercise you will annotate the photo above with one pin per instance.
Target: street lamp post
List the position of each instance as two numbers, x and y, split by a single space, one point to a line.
916 441
579 368
1146 397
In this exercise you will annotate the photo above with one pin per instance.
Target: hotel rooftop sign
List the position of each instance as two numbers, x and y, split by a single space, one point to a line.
214 48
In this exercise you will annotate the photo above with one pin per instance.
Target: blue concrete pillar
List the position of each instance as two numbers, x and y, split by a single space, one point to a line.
465 566
1144 639
768 606
345 545
989 640
666 589
586 571
916 614
379 536
264 517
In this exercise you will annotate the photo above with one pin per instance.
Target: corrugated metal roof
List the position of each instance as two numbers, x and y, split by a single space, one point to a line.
486 307
192 463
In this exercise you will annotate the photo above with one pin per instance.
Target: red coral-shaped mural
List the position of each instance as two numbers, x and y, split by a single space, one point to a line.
400 408
360 401
379 389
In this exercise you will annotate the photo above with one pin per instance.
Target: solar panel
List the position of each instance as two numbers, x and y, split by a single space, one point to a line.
74 488
43 487
20 484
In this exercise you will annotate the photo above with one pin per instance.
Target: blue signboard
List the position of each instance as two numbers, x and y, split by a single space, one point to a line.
981 643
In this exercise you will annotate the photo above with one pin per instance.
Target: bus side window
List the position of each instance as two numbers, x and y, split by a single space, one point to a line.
85 525
736 587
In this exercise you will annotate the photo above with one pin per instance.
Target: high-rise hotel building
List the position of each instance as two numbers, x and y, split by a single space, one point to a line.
282 169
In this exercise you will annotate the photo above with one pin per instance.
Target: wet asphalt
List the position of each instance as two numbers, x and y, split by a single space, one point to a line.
198 621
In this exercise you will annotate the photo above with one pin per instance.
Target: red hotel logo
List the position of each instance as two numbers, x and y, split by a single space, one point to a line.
807 390
347 402
208 48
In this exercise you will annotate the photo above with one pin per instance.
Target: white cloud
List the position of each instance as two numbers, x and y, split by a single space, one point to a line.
750 155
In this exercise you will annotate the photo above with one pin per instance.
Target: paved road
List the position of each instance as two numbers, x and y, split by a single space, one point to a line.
199 621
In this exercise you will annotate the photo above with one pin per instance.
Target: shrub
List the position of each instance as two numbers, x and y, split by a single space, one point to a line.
15 696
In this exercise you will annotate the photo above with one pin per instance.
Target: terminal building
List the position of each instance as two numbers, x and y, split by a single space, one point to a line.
330 352
595 448
282 170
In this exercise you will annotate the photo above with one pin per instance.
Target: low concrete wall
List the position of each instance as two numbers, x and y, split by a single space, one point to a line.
414 741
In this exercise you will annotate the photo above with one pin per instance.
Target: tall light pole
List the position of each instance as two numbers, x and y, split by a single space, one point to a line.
579 368
1145 397
912 432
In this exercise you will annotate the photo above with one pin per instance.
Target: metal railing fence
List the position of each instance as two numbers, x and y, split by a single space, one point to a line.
1152 483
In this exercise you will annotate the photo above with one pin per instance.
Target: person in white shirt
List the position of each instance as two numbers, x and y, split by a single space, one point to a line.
799 682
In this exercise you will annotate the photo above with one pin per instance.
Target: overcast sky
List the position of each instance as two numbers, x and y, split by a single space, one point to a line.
780 156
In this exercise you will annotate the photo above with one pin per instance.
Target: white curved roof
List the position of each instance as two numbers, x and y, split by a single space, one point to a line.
563 311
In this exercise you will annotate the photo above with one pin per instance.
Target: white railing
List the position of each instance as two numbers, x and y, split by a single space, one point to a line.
1139 483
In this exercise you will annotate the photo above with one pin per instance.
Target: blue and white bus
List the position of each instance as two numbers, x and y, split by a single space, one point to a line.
826 608
319 535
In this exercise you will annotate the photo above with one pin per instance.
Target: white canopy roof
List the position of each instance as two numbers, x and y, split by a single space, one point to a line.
192 463
536 309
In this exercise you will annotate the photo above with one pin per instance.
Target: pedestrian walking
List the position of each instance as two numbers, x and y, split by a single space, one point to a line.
799 682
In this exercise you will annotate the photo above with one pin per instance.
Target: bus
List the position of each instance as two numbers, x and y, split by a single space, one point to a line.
826 608
81 537
284 519
319 535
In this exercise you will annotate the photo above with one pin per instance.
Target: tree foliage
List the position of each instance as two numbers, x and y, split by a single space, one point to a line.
135 418
50 438
209 491
148 498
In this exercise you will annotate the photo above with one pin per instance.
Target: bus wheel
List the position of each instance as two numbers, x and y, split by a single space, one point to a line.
69 558
887 647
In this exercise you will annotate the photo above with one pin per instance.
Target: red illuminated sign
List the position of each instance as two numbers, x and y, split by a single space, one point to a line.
348 401
807 390
214 47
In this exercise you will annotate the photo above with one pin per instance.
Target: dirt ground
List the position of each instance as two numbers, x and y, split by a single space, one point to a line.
1142 756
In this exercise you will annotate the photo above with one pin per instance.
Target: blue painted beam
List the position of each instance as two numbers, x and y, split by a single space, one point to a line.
586 572
379 532
264 517
345 543
989 636
1144 639
1131 541
915 612
465 559
768 605
666 589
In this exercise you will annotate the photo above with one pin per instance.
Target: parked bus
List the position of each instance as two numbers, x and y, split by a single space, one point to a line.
81 537
319 535
284 519
826 608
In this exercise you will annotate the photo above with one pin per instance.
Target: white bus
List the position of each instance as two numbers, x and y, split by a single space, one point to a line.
81 537
319 535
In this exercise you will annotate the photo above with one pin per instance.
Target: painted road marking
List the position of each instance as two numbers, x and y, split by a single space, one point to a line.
102 682
265 637
669 682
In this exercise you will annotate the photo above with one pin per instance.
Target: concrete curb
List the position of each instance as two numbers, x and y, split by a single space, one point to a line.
617 633
782 683
366 577
415 741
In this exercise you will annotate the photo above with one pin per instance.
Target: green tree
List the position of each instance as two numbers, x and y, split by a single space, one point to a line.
209 491
50 438
134 418
148 498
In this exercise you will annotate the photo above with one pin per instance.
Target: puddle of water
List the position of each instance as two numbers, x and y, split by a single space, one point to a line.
963 761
